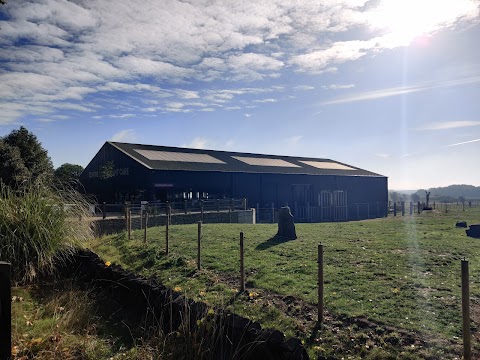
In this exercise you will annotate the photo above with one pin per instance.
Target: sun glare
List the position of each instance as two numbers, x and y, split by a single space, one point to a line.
405 20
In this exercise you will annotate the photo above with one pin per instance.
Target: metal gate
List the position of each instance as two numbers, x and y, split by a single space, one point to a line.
340 206
326 213
333 205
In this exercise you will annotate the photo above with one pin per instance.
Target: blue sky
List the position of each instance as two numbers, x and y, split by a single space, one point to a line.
386 85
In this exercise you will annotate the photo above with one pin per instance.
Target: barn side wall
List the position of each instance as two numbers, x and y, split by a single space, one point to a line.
364 196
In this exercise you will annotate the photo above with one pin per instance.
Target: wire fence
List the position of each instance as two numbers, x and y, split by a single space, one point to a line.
175 207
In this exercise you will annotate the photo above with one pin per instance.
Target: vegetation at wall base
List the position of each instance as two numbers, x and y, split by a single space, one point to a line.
59 320
40 225
392 286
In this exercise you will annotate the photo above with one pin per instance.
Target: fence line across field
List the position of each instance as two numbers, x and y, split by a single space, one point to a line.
321 291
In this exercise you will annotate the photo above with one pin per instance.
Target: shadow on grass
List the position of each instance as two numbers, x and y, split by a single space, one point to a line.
274 241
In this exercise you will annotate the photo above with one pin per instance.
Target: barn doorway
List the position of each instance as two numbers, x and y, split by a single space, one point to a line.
333 205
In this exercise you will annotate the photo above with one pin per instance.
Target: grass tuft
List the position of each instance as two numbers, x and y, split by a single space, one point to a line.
39 226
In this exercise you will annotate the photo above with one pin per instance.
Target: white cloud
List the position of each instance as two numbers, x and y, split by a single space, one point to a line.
449 125
265 101
198 143
338 86
337 53
79 49
128 135
384 156
121 116
294 140
303 87
186 94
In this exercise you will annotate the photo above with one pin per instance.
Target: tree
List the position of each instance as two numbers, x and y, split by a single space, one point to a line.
12 169
24 157
68 172
394 196
415 197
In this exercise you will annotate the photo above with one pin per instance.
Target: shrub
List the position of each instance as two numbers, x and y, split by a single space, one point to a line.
40 225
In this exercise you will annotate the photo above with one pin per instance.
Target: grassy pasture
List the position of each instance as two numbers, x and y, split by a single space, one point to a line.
400 273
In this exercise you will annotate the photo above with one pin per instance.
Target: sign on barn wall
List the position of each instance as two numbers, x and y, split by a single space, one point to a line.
115 172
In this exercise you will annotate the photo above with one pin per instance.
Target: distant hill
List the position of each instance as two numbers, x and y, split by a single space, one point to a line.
452 192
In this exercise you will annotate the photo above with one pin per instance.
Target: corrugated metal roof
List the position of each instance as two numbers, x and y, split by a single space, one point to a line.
173 158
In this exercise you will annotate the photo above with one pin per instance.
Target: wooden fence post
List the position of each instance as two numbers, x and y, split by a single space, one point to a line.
320 283
411 207
467 350
145 227
129 224
403 208
244 204
257 213
418 207
199 237
218 205
104 210
167 223
5 311
395 208
201 208
185 207
242 264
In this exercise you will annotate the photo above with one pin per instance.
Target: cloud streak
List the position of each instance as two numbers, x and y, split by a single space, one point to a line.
401 90
449 125
462 143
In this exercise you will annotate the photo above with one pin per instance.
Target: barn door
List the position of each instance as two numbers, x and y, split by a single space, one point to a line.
339 205
326 210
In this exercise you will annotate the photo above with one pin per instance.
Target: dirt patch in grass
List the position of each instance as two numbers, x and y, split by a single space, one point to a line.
343 336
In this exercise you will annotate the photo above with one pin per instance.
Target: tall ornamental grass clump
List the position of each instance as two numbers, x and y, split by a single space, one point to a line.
39 226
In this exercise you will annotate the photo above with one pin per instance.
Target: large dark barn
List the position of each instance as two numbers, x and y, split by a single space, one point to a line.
329 190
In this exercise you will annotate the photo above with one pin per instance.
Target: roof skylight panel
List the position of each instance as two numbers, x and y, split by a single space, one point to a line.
178 156
327 165
254 161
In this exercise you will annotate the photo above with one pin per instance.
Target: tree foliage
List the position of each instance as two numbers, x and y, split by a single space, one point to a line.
68 172
22 157
415 197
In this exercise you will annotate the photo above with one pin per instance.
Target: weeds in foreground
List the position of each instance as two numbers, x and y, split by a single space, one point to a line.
39 225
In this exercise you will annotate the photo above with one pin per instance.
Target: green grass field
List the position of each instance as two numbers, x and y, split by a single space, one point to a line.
392 285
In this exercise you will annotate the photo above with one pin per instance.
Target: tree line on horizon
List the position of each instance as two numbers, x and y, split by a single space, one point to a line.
451 193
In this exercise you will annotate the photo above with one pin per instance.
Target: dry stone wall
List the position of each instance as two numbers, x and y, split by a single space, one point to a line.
234 336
